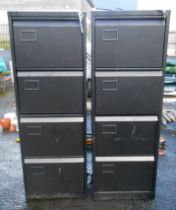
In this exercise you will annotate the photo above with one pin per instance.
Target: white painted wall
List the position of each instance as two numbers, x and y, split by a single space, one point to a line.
160 4
3 17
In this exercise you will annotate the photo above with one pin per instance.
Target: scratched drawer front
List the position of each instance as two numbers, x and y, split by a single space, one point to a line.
48 44
54 178
125 138
123 93
123 176
52 138
50 92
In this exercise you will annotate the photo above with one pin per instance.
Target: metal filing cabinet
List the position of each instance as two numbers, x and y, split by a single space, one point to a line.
128 60
48 50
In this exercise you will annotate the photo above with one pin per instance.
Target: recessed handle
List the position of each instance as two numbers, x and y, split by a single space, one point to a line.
109 85
109 129
110 35
31 85
34 130
28 35
37 170
108 168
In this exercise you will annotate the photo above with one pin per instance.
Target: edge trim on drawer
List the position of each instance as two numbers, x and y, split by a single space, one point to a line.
125 159
53 160
130 74
126 119
50 74
51 119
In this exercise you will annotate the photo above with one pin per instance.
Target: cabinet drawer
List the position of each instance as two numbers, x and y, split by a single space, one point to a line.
127 174
54 176
129 42
51 92
48 44
129 135
128 93
52 136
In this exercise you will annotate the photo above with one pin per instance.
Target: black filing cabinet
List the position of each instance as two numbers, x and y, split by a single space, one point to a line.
128 61
48 50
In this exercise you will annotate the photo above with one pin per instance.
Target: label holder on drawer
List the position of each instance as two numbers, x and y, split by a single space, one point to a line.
110 35
31 85
109 85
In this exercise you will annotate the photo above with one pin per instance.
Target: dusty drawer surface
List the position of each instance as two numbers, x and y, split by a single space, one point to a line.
123 176
129 42
125 135
118 93
52 176
52 136
51 92
48 44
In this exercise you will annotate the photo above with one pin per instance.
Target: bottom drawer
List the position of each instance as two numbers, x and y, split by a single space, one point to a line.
123 174
54 176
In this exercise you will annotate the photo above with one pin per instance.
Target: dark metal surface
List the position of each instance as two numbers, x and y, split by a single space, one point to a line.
48 44
129 96
125 138
129 43
52 139
50 41
51 95
123 176
52 179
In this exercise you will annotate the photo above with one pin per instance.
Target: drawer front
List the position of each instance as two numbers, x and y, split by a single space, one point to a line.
47 178
51 92
129 93
125 135
123 176
48 44
129 43
52 136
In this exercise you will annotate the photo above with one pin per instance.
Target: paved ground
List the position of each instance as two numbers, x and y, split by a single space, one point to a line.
12 187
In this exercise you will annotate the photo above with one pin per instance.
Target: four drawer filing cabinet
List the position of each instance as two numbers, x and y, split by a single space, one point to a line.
128 60
49 68
128 52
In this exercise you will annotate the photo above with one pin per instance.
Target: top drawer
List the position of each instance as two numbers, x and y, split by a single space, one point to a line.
48 44
129 43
